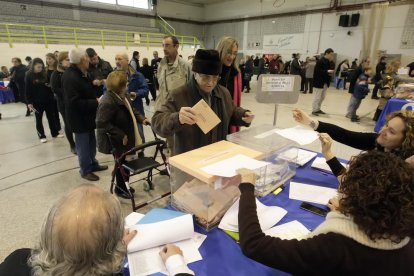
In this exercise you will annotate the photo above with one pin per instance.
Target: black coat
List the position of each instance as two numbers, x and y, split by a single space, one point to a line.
99 71
113 117
320 75
379 71
295 68
37 89
148 72
80 100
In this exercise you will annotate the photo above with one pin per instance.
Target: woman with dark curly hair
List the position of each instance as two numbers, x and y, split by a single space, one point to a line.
396 136
369 234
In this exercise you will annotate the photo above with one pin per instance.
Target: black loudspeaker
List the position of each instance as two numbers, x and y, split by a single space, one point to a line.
344 20
355 19
154 2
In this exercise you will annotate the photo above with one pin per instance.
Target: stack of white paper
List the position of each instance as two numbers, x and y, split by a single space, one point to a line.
301 135
320 164
288 231
229 166
298 156
268 216
311 193
143 250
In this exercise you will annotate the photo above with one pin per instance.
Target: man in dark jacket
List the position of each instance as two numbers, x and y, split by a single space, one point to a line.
98 71
261 66
177 117
379 71
18 73
321 80
81 105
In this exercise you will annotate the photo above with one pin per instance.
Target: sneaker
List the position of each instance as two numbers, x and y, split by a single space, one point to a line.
91 177
320 112
315 113
355 119
59 136
100 168
43 140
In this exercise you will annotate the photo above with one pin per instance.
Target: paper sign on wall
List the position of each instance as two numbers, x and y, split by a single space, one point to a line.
277 83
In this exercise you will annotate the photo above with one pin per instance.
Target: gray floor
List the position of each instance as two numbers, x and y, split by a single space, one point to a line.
34 175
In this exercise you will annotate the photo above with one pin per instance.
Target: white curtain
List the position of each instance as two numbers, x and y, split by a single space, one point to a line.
372 31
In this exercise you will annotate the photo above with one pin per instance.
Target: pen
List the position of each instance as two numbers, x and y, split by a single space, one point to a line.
322 172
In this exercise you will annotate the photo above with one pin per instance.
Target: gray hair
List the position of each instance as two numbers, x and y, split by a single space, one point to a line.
123 55
75 55
81 235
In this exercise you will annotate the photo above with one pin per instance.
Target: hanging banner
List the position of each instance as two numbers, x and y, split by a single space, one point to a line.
283 42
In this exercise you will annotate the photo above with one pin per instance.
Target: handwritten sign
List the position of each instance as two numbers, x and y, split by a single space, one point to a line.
277 83
283 42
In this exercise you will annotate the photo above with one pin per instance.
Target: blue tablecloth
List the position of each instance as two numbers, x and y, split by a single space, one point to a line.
223 256
391 106
6 96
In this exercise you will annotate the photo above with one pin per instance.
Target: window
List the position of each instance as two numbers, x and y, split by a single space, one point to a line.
141 4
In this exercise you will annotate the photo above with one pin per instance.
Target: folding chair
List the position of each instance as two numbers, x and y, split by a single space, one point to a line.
139 165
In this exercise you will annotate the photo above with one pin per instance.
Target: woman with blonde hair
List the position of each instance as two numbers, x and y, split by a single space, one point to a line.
230 76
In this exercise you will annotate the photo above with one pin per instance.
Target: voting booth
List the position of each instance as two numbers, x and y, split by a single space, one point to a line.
206 195
279 152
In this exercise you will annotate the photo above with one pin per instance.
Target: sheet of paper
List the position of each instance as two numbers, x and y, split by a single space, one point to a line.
268 216
311 193
148 261
206 118
160 233
320 164
228 167
288 231
298 156
299 134
133 219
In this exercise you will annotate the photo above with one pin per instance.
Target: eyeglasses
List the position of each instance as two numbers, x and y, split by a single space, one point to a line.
208 78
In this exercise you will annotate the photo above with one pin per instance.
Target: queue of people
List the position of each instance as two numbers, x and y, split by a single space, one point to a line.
368 231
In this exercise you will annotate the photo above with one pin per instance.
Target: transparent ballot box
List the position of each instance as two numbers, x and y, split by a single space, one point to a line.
207 196
281 153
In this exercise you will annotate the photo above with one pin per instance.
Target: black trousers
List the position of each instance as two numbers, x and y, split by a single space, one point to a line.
56 112
309 85
68 131
152 90
49 108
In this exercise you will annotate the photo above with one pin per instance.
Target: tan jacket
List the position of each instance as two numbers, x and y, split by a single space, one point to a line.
165 121
171 77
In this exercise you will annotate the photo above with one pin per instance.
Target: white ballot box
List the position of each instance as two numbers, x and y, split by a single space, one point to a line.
204 181
279 152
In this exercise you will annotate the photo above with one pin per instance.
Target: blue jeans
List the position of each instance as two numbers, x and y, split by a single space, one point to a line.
353 105
86 148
